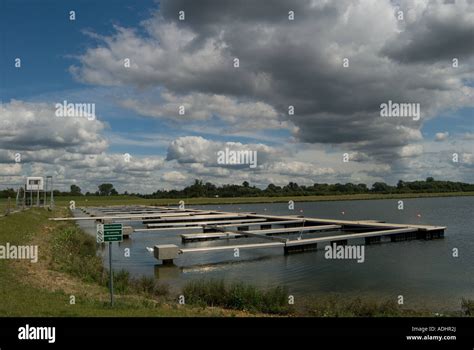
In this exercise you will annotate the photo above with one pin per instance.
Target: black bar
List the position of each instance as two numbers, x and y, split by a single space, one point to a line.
357 331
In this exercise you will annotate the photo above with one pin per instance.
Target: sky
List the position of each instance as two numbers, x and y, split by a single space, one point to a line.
334 62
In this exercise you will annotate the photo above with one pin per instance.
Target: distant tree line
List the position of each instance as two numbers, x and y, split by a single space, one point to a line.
106 189
201 189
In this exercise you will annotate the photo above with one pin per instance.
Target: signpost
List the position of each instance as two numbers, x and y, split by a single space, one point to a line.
110 233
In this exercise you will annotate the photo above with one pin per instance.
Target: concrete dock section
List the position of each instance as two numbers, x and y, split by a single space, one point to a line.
269 230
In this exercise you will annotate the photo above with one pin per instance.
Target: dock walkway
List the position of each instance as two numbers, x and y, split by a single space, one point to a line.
216 225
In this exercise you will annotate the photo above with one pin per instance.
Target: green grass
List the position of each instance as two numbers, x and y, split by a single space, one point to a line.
20 299
467 307
337 306
237 296
4 203
75 253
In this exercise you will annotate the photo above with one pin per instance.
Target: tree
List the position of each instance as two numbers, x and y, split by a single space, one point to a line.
429 179
106 189
245 184
400 184
380 187
196 189
9 192
75 190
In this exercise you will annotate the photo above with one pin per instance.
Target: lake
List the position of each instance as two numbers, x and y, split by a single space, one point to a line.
424 272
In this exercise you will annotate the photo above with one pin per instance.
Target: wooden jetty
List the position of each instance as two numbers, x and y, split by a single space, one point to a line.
219 225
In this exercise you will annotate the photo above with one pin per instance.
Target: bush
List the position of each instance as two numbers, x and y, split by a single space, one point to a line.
121 281
148 286
237 296
161 289
75 252
467 307
334 306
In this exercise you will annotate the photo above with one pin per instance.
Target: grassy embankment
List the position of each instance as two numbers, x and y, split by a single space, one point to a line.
68 266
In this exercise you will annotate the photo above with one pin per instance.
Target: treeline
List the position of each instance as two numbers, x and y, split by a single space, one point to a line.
103 190
201 189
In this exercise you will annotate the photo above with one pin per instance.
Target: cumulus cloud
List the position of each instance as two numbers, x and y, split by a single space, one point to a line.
73 150
433 31
196 149
468 158
119 163
174 177
292 168
200 107
298 63
282 63
411 151
26 126
441 136
468 136
10 169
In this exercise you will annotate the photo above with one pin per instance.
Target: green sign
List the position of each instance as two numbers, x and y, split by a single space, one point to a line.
109 233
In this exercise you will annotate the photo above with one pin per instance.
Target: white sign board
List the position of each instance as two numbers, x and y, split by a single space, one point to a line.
34 184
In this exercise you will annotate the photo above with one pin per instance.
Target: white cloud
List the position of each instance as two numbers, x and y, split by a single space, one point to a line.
245 115
26 126
174 177
441 136
299 168
411 151
190 63
336 109
467 158
10 169
196 149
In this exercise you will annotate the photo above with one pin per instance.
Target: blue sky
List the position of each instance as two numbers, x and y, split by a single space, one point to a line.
185 63
41 33
47 43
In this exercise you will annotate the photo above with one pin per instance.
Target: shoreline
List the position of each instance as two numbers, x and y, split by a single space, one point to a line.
322 198
129 200
86 201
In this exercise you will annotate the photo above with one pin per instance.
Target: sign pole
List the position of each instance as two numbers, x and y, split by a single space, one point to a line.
108 233
111 273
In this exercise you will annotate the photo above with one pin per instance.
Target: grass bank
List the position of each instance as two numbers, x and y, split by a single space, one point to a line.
68 270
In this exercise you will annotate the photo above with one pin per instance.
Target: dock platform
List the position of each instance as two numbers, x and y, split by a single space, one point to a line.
220 225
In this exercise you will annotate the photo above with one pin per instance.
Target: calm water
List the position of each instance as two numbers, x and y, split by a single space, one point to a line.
424 272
